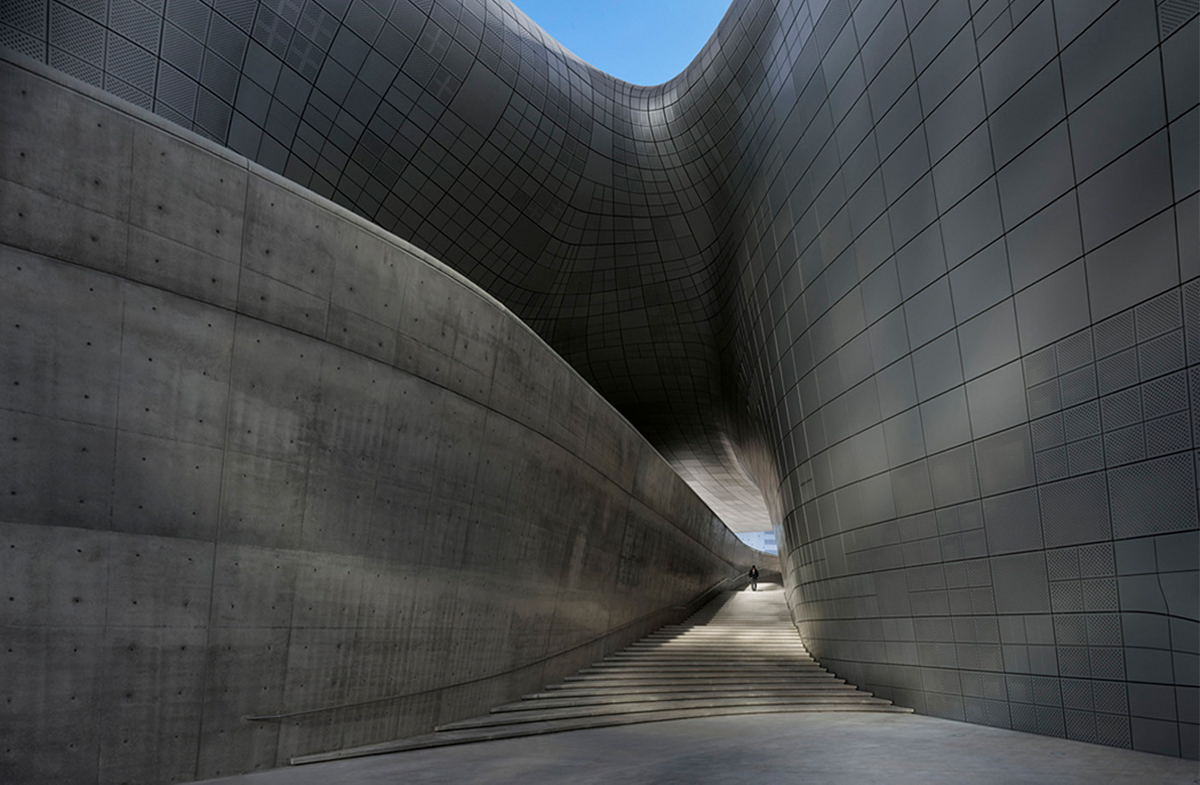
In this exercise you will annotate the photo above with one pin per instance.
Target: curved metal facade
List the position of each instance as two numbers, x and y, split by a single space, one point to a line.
912 281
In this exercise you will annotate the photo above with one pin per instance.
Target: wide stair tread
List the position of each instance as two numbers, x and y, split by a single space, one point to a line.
761 683
606 697
535 714
591 690
740 654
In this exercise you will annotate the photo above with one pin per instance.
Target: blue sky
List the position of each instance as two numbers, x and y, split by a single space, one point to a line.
641 41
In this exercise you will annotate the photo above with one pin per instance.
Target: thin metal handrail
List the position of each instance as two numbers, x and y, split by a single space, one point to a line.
386 698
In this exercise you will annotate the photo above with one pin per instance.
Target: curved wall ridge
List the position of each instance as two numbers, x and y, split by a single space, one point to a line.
914 282
276 482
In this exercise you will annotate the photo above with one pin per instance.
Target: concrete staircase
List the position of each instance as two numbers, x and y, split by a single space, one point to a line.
740 654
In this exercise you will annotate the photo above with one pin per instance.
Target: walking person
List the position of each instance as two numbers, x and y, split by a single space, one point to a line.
753 577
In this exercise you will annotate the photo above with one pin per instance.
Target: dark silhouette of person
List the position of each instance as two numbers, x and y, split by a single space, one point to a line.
753 577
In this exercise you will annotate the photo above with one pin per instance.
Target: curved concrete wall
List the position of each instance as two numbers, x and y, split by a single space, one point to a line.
912 281
261 458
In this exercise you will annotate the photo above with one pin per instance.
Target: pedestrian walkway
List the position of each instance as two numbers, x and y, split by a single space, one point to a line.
849 748
739 654
729 695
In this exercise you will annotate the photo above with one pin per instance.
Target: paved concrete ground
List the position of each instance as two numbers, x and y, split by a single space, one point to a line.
783 748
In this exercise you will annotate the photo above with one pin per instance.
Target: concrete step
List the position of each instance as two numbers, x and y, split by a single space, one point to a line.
709 656
756 635
676 712
723 643
713 650
586 690
691 667
449 738
708 660
786 676
706 629
699 670
792 640
540 713
752 630
734 659
761 683
603 698
796 672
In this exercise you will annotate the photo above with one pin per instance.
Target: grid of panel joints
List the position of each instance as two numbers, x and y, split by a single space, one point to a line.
1175 430
764 309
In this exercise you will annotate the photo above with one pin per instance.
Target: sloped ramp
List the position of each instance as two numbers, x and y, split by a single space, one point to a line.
740 654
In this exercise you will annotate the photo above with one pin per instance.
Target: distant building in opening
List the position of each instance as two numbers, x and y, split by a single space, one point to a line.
763 541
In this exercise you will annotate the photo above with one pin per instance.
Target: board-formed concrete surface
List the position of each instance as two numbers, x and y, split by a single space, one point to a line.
273 481
913 282
779 749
